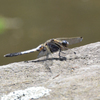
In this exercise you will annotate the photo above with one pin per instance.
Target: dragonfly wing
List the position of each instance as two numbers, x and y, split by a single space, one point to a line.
44 52
72 40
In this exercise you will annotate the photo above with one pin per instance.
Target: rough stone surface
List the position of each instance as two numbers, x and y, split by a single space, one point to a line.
75 78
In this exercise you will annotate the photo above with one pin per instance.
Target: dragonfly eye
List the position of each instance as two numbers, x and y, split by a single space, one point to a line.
65 43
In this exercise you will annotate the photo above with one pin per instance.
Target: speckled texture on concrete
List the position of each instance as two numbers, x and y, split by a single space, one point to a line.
75 78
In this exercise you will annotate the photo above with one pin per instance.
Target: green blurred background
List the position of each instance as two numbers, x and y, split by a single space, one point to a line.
24 24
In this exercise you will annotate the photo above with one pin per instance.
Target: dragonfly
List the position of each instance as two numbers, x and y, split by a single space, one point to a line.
50 46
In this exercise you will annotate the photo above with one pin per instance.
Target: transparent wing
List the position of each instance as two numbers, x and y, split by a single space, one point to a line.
72 40
43 52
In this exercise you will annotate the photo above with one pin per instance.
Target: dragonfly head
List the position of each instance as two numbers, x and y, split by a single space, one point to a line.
65 43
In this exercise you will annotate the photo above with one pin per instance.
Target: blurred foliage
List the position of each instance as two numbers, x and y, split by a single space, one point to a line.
2 25
9 23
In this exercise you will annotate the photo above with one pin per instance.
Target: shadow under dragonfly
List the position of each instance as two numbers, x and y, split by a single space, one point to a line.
47 62
49 59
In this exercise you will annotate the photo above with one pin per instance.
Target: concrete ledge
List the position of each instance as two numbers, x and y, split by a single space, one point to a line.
77 77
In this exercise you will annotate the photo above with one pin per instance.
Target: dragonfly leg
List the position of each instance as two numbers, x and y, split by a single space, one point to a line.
59 53
61 57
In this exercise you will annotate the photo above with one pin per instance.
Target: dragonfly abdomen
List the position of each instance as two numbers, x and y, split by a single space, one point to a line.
13 54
